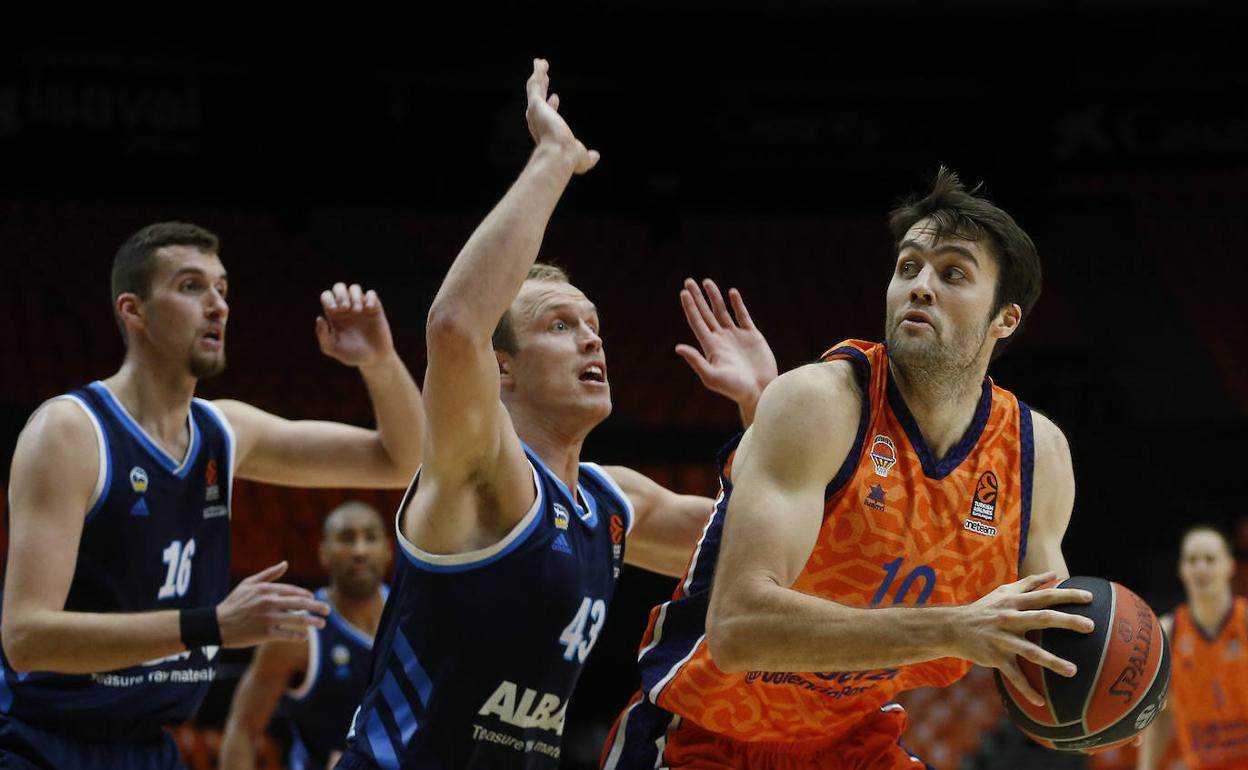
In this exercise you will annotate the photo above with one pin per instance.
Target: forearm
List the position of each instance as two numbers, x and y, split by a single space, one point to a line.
239 746
486 276
767 627
1155 739
89 642
399 412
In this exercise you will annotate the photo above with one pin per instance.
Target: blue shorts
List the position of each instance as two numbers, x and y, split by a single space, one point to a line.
26 747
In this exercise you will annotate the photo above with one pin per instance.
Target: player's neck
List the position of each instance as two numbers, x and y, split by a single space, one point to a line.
558 446
1210 610
158 400
942 408
363 612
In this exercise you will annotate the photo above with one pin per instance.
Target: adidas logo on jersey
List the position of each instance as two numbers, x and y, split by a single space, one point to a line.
140 508
561 544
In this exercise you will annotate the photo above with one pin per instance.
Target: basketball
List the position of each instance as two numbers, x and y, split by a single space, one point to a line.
1123 674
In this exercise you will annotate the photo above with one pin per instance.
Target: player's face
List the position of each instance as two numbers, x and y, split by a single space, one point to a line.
356 551
1204 564
186 312
560 364
940 301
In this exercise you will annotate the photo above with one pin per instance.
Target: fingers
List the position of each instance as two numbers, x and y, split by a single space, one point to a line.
267 574
302 609
738 309
1037 619
717 303
1014 674
324 333
696 361
708 317
697 322
1042 657
1032 582
539 81
1047 597
343 298
553 101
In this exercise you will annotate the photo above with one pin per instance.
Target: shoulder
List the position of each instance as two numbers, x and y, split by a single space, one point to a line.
826 388
61 424
1049 438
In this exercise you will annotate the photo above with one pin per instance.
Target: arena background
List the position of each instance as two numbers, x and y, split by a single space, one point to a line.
760 146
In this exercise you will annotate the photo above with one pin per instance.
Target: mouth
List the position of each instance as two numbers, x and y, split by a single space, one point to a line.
594 373
917 318
213 338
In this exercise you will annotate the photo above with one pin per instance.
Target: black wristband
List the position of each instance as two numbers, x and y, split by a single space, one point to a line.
199 627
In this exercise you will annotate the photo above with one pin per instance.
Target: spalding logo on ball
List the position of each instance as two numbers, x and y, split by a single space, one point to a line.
1123 673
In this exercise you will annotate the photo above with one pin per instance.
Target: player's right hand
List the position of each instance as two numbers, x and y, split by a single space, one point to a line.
259 610
992 631
547 126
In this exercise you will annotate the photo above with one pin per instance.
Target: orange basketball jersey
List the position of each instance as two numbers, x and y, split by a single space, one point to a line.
1209 689
900 527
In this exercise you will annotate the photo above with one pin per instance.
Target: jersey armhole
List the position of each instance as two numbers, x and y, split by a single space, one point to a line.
105 461
313 668
606 479
862 376
462 562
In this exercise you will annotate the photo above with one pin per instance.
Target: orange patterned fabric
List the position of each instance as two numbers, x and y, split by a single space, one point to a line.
1209 690
903 529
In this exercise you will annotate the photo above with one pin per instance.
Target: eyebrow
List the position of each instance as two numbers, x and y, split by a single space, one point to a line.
912 244
593 309
197 271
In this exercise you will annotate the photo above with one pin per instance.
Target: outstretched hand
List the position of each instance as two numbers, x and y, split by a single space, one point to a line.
546 124
353 328
994 630
735 359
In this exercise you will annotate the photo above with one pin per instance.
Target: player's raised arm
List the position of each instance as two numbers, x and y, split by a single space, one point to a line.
735 360
352 329
55 476
756 621
469 433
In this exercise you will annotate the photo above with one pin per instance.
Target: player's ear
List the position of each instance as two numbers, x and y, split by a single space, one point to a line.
1008 319
504 368
129 309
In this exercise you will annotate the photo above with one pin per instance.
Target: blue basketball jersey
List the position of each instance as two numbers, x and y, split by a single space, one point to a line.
156 537
320 708
479 652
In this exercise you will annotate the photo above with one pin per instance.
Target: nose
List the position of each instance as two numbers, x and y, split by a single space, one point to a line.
590 341
921 287
218 308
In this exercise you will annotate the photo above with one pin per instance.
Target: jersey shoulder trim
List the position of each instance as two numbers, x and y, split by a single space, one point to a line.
179 468
600 473
313 670
101 441
462 562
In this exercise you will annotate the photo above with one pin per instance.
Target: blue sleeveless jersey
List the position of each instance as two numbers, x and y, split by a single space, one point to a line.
320 708
156 537
479 652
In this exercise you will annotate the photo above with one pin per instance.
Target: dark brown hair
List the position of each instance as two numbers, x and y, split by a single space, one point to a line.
135 263
953 210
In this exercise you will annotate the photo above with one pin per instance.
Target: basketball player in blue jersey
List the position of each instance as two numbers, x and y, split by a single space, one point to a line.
115 597
509 544
319 681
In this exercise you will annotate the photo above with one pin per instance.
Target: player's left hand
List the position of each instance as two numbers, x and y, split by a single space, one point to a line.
735 360
353 328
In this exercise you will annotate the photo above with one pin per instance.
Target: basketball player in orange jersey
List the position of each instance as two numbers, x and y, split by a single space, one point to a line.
871 528
1208 703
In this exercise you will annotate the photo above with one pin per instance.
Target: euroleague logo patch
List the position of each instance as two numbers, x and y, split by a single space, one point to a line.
984 506
883 454
617 529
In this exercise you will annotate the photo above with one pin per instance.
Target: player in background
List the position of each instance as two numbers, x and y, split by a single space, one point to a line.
1207 708
116 595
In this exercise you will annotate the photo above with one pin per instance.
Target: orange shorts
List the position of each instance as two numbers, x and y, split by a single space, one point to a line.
872 744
